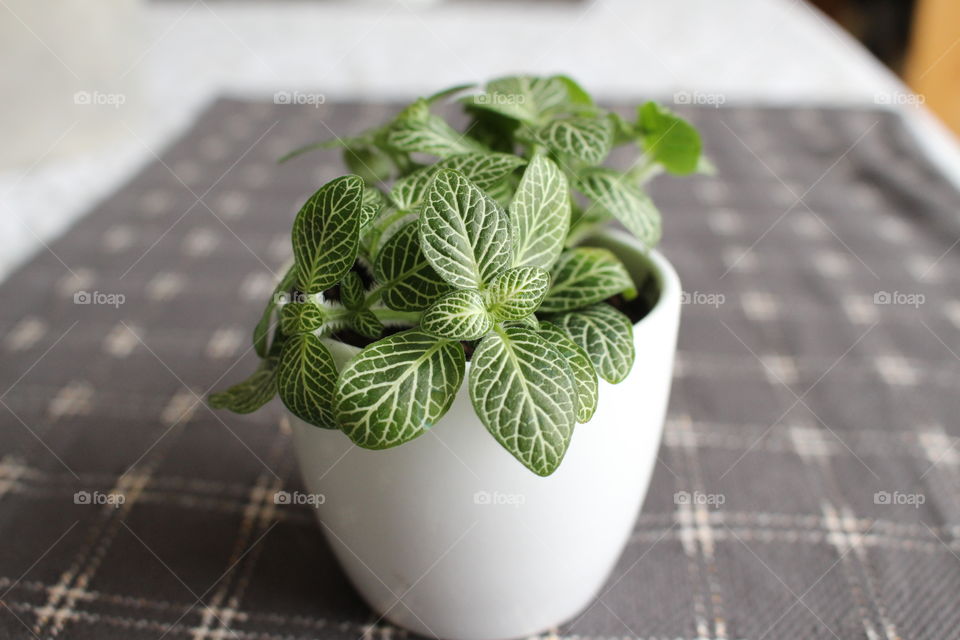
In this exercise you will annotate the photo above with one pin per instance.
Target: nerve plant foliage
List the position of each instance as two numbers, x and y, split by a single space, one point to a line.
475 251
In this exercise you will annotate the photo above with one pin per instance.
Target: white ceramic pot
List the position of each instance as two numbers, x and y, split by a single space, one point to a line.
450 536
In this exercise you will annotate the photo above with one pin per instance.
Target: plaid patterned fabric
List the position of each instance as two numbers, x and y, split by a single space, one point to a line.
808 480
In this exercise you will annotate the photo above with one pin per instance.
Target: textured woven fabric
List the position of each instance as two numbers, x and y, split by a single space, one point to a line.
807 486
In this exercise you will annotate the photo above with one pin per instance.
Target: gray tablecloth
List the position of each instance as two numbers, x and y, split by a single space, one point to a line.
807 486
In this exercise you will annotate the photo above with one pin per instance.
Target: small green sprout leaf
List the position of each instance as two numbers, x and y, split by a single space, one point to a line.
540 214
306 378
326 234
464 233
671 140
300 317
397 388
584 276
351 290
584 375
516 293
522 392
606 335
627 202
408 281
366 323
459 315
371 205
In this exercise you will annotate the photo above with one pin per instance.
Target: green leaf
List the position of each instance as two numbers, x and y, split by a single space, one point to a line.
671 140
408 281
262 331
516 293
397 388
326 234
587 139
464 233
255 391
408 191
459 315
584 276
606 335
366 323
522 392
371 205
525 98
419 131
584 375
352 293
300 317
485 170
577 95
307 378
627 202
540 214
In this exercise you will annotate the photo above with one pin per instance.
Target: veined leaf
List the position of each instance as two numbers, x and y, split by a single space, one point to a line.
409 281
587 139
326 234
522 392
627 202
366 323
429 133
584 276
464 233
300 317
516 293
670 139
483 169
369 162
525 98
307 378
371 204
257 390
459 315
584 375
397 388
606 335
540 214
351 290
262 330
408 191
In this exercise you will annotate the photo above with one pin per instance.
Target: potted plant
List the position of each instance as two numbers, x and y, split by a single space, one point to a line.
470 321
